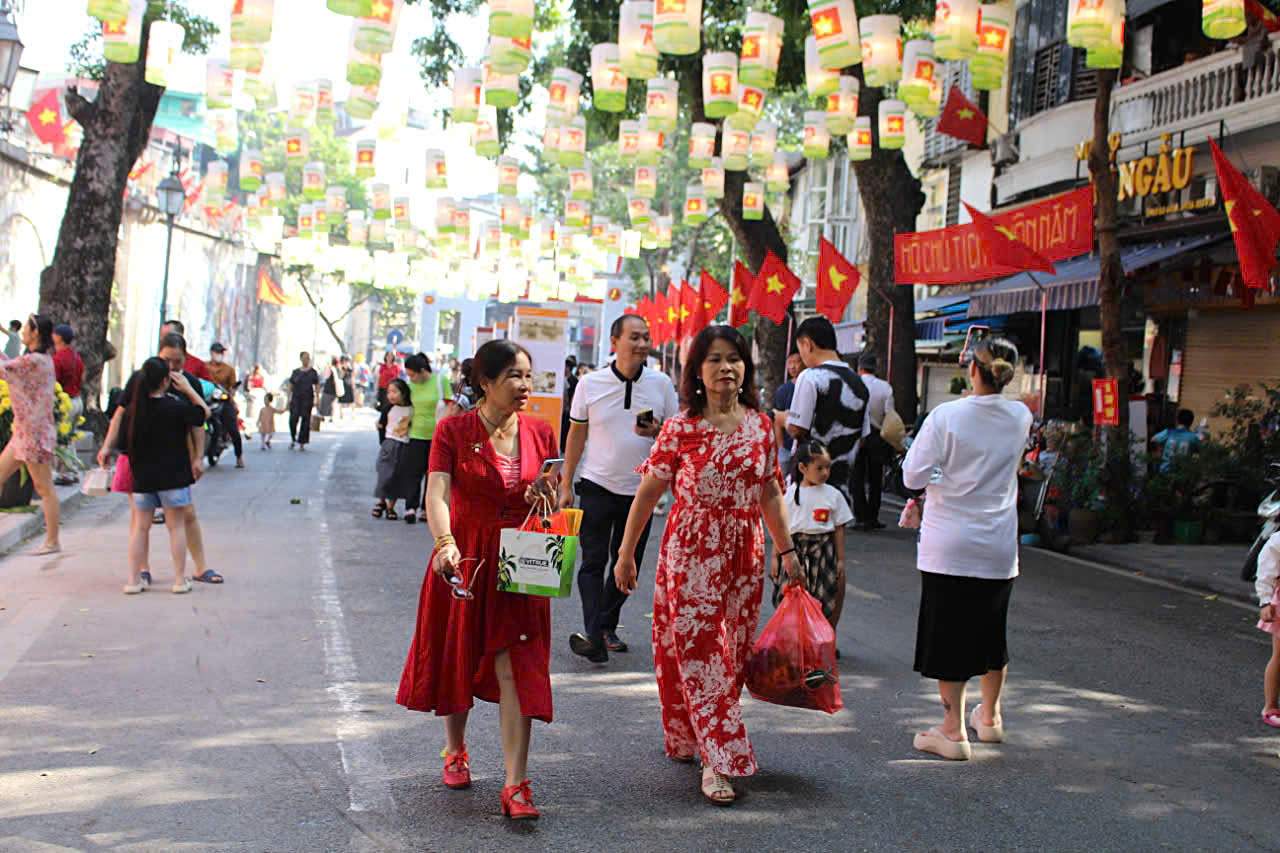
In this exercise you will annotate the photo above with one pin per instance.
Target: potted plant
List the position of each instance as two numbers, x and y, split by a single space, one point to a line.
18 490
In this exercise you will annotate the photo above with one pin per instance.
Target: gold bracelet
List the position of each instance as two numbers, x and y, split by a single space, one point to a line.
442 541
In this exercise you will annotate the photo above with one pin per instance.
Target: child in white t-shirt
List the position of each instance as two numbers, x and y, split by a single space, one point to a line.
818 513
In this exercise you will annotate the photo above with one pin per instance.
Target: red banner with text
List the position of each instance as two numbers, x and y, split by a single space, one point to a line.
1059 227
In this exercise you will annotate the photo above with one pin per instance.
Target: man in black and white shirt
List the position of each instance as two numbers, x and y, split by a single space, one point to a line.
615 417
830 401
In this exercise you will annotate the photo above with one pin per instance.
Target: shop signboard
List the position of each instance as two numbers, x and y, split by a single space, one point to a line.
1152 178
1106 402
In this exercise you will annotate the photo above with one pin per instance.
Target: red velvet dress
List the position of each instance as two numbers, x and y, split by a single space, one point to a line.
450 661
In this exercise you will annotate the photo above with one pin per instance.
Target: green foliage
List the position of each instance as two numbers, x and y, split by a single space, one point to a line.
86 54
1253 431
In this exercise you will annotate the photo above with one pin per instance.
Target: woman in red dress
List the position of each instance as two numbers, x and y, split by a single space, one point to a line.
472 641
720 457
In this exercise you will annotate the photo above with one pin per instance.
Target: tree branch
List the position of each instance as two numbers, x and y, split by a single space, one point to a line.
80 108
353 306
302 280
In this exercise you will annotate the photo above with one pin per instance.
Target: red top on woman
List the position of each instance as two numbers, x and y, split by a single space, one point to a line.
388 373
450 662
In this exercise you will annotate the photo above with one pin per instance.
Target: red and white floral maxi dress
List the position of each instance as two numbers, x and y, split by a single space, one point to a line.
708 585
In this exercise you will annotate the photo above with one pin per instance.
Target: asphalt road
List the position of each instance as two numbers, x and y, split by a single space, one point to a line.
260 715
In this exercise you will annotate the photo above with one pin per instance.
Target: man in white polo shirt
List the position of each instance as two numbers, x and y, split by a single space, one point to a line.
616 414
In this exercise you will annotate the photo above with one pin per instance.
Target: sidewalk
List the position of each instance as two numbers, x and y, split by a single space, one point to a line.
1212 568
17 527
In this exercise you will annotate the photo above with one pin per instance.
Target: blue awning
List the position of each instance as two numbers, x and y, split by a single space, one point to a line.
1075 285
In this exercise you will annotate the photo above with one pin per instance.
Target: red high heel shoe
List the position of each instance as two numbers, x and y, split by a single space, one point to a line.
515 809
457 769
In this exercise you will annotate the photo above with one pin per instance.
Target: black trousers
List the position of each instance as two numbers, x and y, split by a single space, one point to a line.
418 454
868 478
383 406
231 423
604 518
300 422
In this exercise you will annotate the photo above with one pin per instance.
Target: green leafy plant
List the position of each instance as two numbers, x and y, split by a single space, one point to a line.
506 566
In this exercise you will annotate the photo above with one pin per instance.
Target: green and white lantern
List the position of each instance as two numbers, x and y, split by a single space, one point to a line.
719 84
500 90
637 52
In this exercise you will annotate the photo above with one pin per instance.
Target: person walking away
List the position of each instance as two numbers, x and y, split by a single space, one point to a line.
363 376
154 435
68 372
330 389
1267 587
267 421
966 457
255 389
868 467
472 641
781 403
719 456
192 364
13 344
818 514
399 478
428 391
1177 441
346 399
465 394
302 399
617 413
830 401
223 375
33 438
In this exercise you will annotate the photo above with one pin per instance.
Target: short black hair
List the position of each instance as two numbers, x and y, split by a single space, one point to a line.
217 348
177 324
15 325
615 331
64 331
1186 418
418 362
173 340
868 361
818 330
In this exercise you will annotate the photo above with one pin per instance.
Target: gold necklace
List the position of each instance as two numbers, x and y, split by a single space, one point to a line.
497 430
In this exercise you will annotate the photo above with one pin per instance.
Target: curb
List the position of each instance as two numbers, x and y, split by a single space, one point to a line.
27 525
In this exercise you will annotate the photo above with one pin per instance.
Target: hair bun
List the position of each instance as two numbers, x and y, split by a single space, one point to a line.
1001 371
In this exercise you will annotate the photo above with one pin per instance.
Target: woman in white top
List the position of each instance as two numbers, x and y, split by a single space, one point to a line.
966 458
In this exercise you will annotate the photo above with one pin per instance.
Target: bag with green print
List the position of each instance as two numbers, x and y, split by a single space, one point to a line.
538 557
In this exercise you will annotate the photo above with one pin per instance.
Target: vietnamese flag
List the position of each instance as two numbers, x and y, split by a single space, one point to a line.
1255 224
45 117
774 289
1005 248
644 308
693 317
660 319
742 286
962 119
675 329
837 281
714 297
1268 18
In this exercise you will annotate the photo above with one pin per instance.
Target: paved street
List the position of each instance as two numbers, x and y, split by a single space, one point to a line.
260 715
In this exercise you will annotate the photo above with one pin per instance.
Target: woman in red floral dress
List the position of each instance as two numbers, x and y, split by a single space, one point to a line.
471 640
720 458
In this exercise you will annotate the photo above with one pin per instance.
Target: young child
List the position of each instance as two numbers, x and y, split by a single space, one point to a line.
1268 591
397 477
267 422
818 514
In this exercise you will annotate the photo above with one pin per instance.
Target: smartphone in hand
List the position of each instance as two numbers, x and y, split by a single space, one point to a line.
644 418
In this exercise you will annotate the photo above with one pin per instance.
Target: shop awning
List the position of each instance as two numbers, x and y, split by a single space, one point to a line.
1076 283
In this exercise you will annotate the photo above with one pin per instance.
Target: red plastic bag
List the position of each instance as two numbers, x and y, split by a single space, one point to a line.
793 662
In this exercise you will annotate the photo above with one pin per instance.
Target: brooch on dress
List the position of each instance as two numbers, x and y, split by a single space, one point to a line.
476 448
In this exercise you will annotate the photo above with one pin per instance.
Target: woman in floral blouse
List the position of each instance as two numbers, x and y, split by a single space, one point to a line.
719 456
34 438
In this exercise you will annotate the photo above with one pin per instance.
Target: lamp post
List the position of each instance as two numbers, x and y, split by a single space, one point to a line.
171 198
10 46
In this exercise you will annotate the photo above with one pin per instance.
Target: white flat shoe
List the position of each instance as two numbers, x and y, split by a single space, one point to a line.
134 588
936 743
986 734
46 549
182 588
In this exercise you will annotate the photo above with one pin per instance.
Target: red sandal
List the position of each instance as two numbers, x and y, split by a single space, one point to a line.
457 769
517 809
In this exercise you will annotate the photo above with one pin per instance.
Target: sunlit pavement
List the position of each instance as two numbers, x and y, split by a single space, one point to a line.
260 715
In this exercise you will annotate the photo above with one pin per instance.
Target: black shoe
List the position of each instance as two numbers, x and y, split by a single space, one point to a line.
583 647
876 525
614 643
410 518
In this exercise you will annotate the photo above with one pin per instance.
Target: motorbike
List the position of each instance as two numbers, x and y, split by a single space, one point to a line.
1269 512
216 438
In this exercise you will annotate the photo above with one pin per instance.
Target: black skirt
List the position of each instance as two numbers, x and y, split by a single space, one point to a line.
962 626
398 472
817 555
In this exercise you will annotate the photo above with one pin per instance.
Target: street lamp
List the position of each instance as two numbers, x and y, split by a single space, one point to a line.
10 46
171 197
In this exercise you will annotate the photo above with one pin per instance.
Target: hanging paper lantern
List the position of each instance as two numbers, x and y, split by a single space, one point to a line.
363 102
753 201
322 224
250 170
573 142
1109 53
313 183
580 184
485 139
108 10
636 49
608 83
652 143
335 201
163 46
509 55
750 108
919 72
324 101
664 225
363 69
295 146
695 204
376 32
776 176
357 229
276 188
122 37
1223 19
819 81
639 210
302 110
702 144
575 213
1088 22
251 21
645 181
467 84
713 179
628 141
378 230
400 209
677 26
445 209
380 201
735 149
306 220
437 169
365 151
955 29
842 106
243 57
508 175
511 18
881 49
462 221
220 84
563 95
351 8
930 106
860 140
764 142
226 130
500 90
893 123
215 182
260 88
761 49
661 104
987 66
835 30
719 84
817 139
551 144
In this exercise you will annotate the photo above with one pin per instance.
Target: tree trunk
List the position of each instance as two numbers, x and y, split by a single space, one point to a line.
76 287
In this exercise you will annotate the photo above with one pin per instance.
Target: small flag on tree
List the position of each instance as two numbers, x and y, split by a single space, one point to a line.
714 297
774 288
1255 224
962 119
837 281
1005 248
45 117
739 310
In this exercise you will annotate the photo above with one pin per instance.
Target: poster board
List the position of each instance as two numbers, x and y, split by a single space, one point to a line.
481 336
544 332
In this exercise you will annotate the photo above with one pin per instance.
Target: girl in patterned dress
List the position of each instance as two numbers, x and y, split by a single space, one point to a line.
34 437
719 457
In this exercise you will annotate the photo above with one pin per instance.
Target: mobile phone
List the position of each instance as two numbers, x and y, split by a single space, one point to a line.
644 418
551 468
972 337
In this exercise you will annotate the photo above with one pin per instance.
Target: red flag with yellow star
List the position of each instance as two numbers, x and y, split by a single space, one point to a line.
837 281
962 119
45 117
714 297
693 316
1005 248
1255 224
675 329
739 307
659 323
774 289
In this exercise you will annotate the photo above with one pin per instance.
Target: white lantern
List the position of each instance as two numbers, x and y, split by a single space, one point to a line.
277 191
380 201
508 175
1223 19
695 204
652 143
881 49
362 103
575 213
437 169
350 8
366 149
486 132
893 123
511 18
573 142
664 225
335 201
719 84
220 85
363 68
713 179
251 21
777 178
628 141
817 139
764 144
637 52
445 210
108 10
163 45
818 81
563 95
509 55
376 32
995 22
645 181
215 182
842 106
835 30
226 130
509 214
324 101
955 29
860 140
401 208
500 90
735 149
1088 22
462 221
677 26
244 57
608 83
581 185
761 49
1110 52
702 144
919 72
251 170
122 36
467 85
753 201
750 108
661 104
313 183
302 109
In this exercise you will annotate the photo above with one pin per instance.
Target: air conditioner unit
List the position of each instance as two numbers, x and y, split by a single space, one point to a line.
1004 151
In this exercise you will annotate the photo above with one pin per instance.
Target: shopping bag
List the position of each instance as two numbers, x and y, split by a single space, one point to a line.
123 479
97 482
539 556
793 662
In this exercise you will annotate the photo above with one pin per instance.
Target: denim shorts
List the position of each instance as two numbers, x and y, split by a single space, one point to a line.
169 499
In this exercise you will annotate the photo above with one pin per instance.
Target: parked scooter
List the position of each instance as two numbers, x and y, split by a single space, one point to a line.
1269 512
216 438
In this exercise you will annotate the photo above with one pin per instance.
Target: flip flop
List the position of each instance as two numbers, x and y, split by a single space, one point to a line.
986 734
936 743
145 577
207 576
1271 718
